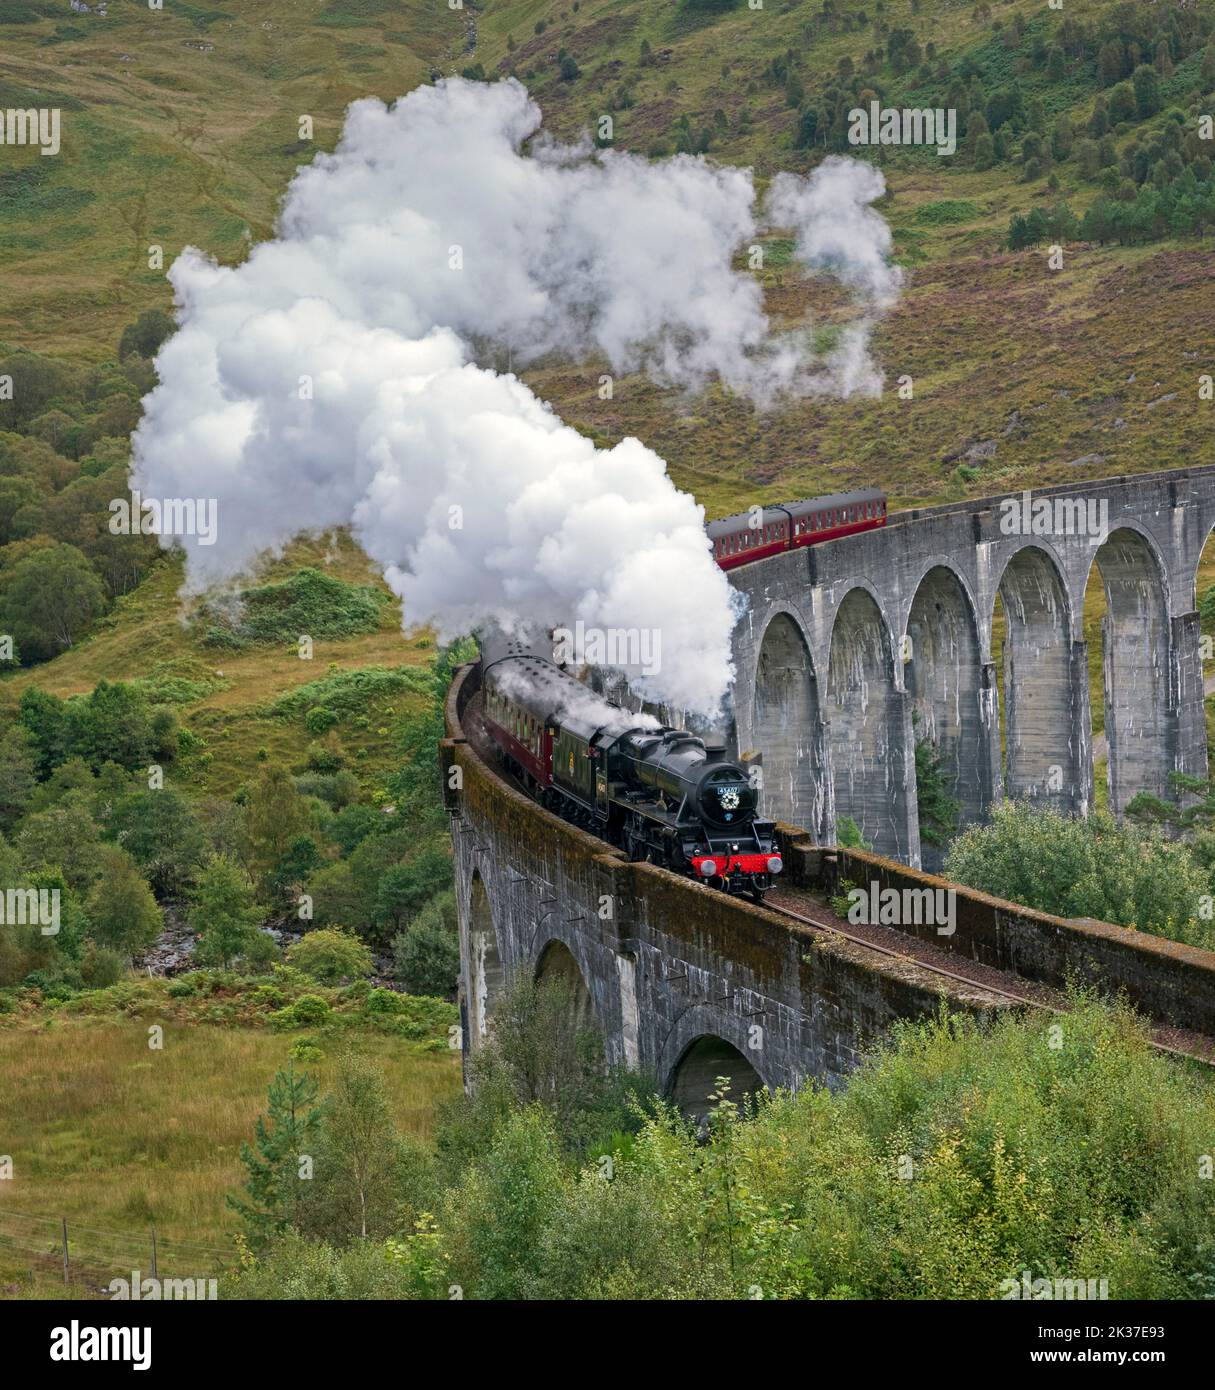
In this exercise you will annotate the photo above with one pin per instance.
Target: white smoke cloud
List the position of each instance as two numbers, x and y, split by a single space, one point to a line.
331 379
837 231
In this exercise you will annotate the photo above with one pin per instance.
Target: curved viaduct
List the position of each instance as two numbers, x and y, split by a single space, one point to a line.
686 983
852 650
682 981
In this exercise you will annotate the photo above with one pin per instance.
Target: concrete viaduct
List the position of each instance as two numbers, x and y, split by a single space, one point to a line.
851 651
687 983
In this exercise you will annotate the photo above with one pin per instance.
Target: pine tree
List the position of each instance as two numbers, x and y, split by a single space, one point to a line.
284 1137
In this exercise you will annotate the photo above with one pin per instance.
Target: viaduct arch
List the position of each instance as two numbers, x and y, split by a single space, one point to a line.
963 626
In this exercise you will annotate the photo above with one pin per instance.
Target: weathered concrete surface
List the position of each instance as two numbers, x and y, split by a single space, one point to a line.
832 696
1169 983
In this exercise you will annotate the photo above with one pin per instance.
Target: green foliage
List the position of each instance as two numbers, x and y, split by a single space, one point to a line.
320 719
938 809
276 817
308 1011
225 916
180 682
545 1049
414 788
944 1168
18 772
366 1176
160 830
308 603
848 834
404 888
297 1268
947 212
114 723
283 1137
351 826
122 911
65 838
348 692
330 955
48 600
1095 867
427 953
144 337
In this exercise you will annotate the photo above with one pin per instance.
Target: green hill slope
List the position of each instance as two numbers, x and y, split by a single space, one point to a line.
183 126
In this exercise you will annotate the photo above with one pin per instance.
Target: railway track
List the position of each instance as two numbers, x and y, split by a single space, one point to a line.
804 907
910 948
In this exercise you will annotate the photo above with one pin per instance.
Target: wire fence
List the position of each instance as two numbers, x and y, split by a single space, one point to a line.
87 1254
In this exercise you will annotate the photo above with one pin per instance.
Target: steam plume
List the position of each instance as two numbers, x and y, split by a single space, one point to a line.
332 379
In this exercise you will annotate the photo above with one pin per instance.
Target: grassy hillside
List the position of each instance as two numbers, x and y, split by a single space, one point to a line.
182 126
179 125
116 1137
227 698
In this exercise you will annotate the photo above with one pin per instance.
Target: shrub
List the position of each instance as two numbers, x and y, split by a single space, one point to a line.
1095 867
384 1001
323 758
101 966
307 1011
320 719
308 602
330 954
426 954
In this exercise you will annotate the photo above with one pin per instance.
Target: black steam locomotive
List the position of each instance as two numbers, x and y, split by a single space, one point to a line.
659 794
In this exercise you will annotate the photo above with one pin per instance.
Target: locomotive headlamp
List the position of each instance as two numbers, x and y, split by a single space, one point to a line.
775 865
708 867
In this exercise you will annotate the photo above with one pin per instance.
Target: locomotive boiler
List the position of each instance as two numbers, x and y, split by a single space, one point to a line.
660 794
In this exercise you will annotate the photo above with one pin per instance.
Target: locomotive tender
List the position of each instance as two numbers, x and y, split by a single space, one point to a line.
660 794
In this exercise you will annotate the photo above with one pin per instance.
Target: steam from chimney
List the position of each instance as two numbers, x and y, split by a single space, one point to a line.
333 378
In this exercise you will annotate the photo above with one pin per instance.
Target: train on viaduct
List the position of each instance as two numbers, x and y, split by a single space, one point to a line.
848 653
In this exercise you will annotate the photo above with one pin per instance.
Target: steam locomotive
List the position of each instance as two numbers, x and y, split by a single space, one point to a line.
659 794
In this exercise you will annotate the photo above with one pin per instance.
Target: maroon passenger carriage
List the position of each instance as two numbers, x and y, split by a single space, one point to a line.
754 535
